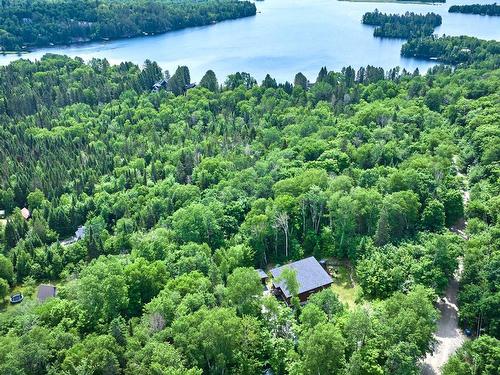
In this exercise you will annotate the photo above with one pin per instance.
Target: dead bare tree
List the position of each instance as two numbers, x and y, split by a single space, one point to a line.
281 222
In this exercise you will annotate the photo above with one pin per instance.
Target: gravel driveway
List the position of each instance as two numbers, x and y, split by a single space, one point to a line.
449 337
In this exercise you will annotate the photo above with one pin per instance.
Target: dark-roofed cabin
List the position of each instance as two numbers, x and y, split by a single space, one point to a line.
263 276
311 277
263 279
46 291
161 84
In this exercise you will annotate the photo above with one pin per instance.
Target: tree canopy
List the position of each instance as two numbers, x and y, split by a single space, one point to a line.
184 194
39 23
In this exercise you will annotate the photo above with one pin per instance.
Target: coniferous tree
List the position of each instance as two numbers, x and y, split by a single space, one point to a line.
300 80
209 81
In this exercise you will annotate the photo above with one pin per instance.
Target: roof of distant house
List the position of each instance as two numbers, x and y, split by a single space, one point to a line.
80 232
46 291
262 274
26 213
310 275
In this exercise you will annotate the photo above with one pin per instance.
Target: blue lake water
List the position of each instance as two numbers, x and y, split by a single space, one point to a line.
285 37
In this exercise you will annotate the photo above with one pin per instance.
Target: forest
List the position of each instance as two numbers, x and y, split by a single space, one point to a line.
184 194
481 9
404 26
454 50
37 23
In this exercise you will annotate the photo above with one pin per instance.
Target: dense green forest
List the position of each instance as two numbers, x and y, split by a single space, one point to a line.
482 9
454 50
405 26
36 23
182 196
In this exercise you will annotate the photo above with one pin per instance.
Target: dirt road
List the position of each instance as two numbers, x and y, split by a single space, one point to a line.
449 336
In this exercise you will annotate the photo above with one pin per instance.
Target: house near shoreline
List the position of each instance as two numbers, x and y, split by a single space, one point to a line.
163 84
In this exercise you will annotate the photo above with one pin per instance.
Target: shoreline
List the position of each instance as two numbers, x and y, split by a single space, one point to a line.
395 2
23 52
31 49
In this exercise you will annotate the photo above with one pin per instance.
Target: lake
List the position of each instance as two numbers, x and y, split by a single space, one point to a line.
285 37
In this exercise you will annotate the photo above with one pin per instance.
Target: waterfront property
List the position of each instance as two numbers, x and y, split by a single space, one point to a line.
161 84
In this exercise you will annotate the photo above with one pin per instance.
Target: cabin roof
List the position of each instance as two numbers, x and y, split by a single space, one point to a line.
46 291
262 274
26 213
80 232
310 276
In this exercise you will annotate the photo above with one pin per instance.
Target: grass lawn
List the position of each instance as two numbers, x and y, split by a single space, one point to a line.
29 292
5 305
342 285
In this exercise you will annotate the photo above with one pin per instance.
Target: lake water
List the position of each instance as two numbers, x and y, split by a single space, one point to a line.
285 37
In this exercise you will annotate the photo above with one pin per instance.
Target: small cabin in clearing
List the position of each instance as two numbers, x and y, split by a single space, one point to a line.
79 234
46 291
311 277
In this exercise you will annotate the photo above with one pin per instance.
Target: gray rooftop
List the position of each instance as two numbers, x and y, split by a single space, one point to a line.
310 275
46 291
262 274
80 232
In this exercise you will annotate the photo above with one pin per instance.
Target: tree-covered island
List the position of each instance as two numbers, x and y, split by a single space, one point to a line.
404 26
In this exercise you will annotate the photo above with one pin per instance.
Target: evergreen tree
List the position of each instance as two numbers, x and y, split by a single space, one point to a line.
300 80
322 75
269 82
209 81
